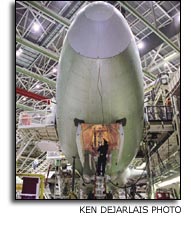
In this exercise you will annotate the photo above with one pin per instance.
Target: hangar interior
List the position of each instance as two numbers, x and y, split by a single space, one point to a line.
42 170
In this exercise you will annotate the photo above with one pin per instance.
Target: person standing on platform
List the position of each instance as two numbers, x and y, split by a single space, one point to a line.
103 149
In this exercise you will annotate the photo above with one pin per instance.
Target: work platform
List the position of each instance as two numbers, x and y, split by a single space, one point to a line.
159 119
38 130
40 124
156 127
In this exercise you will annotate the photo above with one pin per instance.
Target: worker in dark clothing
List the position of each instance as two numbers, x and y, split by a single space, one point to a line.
109 195
103 149
133 191
90 195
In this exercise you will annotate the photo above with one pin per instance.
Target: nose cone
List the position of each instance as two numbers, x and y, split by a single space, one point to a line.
99 11
99 31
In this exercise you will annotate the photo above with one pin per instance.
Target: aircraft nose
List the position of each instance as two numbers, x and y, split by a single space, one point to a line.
99 12
99 31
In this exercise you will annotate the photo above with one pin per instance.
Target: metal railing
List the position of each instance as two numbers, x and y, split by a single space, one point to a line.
36 118
159 113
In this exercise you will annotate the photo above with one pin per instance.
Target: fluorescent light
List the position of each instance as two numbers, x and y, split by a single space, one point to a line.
36 27
19 52
140 45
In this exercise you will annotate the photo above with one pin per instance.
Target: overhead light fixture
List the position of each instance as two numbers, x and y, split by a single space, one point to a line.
37 86
54 70
140 45
19 52
166 65
24 98
36 27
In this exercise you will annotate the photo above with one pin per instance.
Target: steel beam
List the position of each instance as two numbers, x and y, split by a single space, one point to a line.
22 3
163 37
46 11
20 151
35 76
26 158
32 95
24 107
38 48
149 75
163 61
155 56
